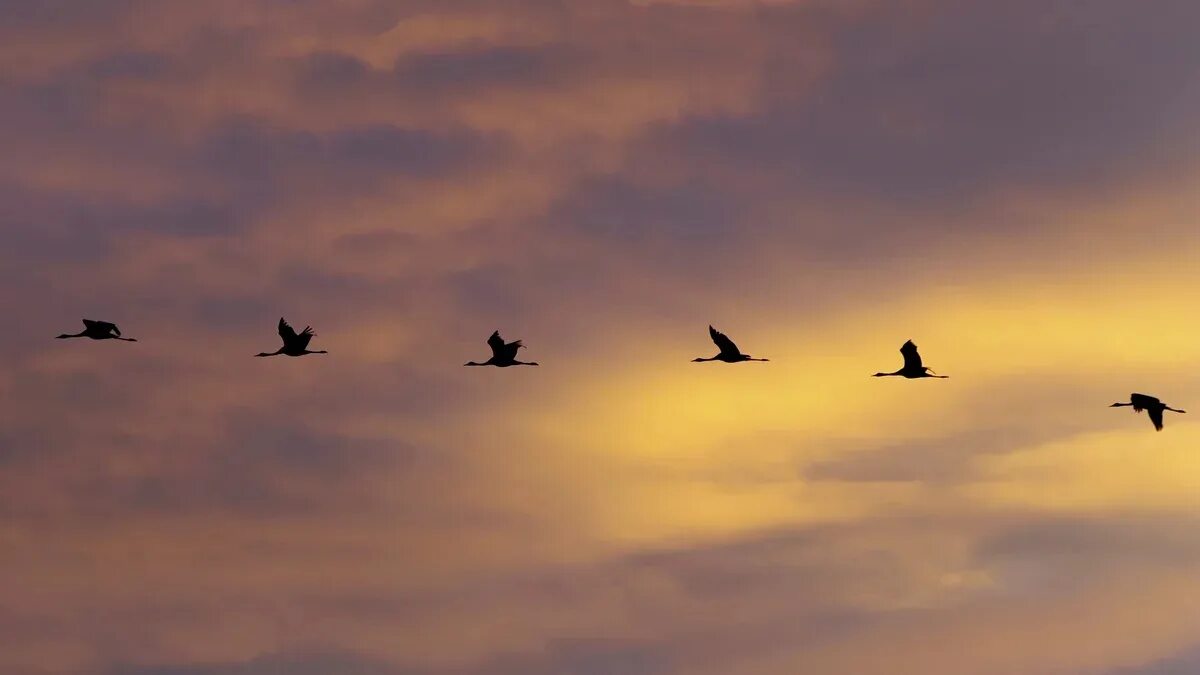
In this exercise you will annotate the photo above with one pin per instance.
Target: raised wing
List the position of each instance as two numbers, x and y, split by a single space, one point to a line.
304 336
1143 402
1156 415
497 344
286 331
912 360
723 342
510 349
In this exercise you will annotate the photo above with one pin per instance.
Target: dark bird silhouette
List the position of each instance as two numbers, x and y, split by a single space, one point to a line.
1151 405
294 344
504 354
98 330
913 368
729 352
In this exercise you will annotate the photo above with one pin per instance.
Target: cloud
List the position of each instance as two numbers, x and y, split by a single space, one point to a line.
919 108
309 664
1011 186
1182 664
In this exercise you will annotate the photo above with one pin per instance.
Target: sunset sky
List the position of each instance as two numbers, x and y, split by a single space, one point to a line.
1012 184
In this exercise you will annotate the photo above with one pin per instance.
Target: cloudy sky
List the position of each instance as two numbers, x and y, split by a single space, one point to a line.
1012 185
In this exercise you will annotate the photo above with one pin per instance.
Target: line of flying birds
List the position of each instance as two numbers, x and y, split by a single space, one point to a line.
504 354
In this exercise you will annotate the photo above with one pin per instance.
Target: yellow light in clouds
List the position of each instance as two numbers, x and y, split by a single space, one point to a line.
1131 470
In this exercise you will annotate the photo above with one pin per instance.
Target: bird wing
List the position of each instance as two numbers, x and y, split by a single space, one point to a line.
510 349
304 336
497 344
286 331
723 342
1156 415
1143 402
102 326
912 360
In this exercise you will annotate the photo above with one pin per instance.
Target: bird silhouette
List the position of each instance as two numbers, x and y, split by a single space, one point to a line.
729 352
504 354
1151 405
913 368
294 344
98 330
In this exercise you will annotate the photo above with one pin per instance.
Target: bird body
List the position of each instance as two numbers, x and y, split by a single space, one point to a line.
729 352
98 330
294 344
1153 407
913 367
504 354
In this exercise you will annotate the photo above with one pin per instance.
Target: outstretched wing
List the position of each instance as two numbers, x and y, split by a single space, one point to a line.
1156 415
289 335
497 344
1143 402
510 349
723 342
912 360
304 336
286 332
102 326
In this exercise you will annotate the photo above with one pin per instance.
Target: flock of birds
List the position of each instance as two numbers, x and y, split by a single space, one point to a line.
504 354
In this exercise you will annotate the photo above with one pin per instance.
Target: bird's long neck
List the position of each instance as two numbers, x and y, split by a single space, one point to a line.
274 353
524 363
701 359
125 339
69 335
472 363
750 359
1167 407
1119 405
319 351
898 372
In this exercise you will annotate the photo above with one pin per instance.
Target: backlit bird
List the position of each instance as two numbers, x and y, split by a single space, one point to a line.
913 368
98 330
294 344
729 352
1153 407
504 354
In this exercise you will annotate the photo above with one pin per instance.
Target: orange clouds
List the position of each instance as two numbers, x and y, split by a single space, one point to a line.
1010 186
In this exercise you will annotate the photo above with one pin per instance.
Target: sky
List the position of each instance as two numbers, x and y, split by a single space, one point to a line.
1011 185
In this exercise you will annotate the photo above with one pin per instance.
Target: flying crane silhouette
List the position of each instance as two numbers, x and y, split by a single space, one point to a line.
729 352
504 354
1153 407
913 368
294 344
98 330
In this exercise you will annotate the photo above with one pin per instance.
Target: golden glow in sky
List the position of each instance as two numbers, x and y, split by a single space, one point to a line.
1010 185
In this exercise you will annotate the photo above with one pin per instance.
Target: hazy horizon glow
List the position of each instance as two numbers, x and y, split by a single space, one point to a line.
1010 185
